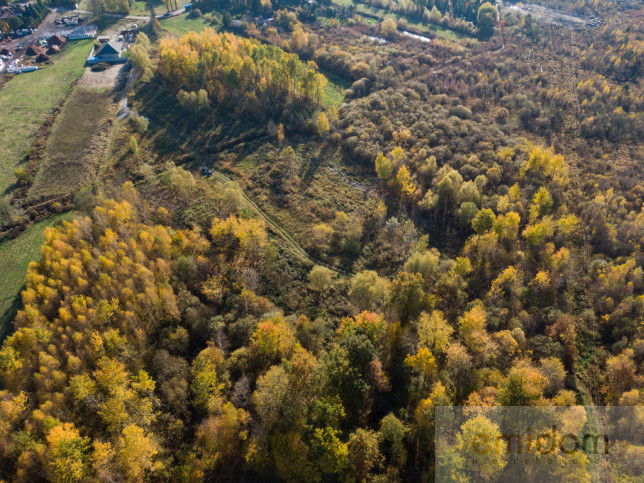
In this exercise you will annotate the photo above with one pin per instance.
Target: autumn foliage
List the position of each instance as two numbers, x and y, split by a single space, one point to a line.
239 72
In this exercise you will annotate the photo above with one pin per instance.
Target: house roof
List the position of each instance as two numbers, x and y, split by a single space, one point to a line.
42 58
8 12
6 51
53 50
109 48
56 40
34 50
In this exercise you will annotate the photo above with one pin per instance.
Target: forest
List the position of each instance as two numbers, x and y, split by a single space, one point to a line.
314 234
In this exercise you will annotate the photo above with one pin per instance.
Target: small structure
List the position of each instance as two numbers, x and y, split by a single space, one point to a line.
14 67
109 52
103 39
34 50
56 40
42 58
6 54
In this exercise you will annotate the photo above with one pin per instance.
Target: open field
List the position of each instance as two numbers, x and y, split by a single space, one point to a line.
15 256
416 23
26 100
103 79
77 143
334 90
182 24
140 7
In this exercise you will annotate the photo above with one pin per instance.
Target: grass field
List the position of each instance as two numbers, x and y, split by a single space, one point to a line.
417 24
15 256
26 100
334 91
141 7
182 24
74 148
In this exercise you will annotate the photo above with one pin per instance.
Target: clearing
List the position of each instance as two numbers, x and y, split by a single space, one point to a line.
182 24
27 99
140 7
78 142
15 256
403 19
103 79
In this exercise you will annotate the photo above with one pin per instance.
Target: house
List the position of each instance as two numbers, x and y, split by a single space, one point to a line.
109 52
56 40
42 58
54 49
9 12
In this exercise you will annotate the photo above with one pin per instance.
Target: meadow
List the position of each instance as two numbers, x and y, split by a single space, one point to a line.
77 143
27 99
182 24
15 256
417 24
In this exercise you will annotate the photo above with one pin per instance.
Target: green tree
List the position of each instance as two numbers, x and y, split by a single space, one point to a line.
486 19
388 26
136 454
134 146
392 431
330 453
490 463
68 453
384 170
483 221
363 453
434 332
320 278
322 124
368 291
541 204
407 296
